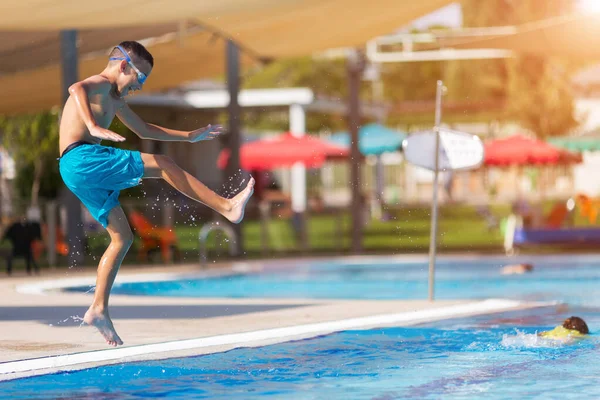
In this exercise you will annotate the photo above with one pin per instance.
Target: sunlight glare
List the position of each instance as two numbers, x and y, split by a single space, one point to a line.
589 6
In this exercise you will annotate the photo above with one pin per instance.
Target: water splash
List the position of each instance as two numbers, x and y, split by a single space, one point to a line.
531 340
74 318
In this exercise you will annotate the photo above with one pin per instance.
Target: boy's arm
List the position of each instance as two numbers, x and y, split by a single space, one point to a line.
81 92
151 131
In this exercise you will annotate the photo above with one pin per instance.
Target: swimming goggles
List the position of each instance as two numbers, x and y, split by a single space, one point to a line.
140 75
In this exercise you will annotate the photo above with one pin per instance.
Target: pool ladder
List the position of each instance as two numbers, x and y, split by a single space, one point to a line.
216 226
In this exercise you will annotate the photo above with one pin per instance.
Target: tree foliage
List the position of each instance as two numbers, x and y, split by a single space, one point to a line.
32 141
327 78
536 88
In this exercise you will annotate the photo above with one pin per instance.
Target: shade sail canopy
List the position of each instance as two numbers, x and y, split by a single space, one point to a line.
284 151
520 150
200 56
262 28
22 51
70 14
256 15
374 139
575 35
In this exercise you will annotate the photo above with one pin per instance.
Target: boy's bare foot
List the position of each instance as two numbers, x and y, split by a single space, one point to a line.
238 203
103 323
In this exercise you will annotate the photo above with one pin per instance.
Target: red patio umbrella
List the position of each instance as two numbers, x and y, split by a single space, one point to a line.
284 151
520 150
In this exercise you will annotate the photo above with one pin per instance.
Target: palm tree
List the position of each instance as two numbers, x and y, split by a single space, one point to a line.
31 140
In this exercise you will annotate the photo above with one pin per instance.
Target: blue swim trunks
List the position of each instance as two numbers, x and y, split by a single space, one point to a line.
96 174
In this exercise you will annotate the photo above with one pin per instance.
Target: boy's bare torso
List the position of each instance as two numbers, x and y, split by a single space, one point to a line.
72 128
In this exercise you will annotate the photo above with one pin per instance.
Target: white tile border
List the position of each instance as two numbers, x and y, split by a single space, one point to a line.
246 338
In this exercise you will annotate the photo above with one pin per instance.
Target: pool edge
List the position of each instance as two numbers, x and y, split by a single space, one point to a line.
220 343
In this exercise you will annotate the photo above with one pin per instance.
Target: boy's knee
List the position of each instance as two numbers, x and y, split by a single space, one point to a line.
128 239
124 239
163 161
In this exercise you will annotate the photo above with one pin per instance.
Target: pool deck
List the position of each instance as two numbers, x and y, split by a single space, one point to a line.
41 332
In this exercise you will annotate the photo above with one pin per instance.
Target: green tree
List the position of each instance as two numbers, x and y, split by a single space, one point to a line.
32 141
327 78
538 97
535 88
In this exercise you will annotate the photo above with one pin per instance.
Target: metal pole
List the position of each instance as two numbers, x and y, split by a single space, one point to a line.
265 215
356 65
2 195
75 235
434 205
379 184
51 234
235 112
379 167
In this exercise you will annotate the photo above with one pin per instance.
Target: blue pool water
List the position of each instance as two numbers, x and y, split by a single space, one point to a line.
496 356
491 357
553 278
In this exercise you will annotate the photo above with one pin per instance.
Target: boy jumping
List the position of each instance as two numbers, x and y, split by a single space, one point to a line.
96 173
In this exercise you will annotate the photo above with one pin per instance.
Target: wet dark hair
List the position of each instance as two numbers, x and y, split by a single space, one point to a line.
577 324
135 50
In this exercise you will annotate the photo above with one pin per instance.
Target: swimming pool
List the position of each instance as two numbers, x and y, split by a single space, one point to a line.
464 358
385 278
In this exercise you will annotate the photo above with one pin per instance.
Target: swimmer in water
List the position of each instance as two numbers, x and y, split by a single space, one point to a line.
96 173
571 328
516 269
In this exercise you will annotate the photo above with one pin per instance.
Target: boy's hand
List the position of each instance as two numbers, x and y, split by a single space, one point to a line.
207 133
105 134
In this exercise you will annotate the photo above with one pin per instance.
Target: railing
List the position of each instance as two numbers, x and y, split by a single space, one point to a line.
215 226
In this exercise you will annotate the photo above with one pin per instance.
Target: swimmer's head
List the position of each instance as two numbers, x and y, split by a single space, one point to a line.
576 324
131 64
527 267
517 269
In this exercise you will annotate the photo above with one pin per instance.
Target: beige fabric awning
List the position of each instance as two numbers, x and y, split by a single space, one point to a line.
263 28
575 36
20 51
313 25
201 56
35 15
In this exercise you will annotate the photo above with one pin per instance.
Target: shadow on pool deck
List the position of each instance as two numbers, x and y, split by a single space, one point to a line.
71 315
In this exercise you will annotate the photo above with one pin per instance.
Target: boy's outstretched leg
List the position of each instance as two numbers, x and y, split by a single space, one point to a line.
121 239
160 166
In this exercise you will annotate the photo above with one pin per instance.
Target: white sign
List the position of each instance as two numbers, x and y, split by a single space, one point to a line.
457 151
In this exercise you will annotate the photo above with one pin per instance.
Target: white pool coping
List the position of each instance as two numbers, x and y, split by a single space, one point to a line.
9 370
